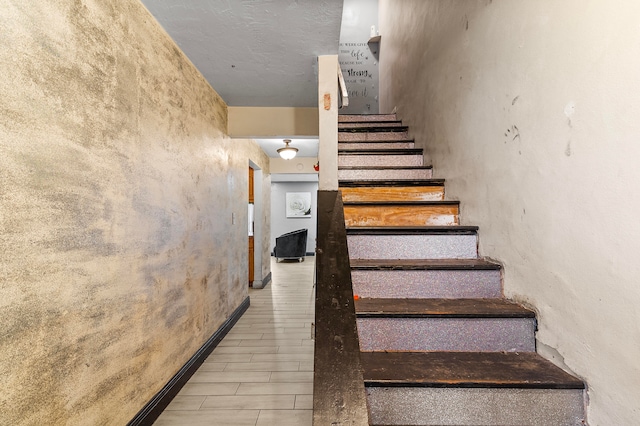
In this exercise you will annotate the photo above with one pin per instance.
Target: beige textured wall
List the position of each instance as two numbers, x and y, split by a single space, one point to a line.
530 110
260 122
295 165
117 190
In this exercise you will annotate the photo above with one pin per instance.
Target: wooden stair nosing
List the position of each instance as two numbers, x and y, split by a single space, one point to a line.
440 308
382 122
374 129
401 203
407 230
381 141
423 264
350 183
465 370
381 151
385 167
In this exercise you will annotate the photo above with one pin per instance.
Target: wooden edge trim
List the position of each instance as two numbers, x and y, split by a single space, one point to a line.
338 386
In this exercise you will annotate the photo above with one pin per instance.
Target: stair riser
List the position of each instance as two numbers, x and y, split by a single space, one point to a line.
412 246
391 174
475 406
401 215
427 284
383 160
347 118
370 124
376 145
397 193
447 334
371 136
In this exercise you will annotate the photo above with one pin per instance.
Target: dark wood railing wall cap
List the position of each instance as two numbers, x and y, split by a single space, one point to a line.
338 390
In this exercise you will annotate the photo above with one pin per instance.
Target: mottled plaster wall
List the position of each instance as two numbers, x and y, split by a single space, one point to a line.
117 190
530 110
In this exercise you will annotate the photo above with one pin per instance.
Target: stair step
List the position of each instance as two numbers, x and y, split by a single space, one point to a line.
440 308
398 159
384 173
399 144
424 265
370 125
426 278
484 325
380 151
401 213
346 118
374 128
478 388
392 190
381 136
424 242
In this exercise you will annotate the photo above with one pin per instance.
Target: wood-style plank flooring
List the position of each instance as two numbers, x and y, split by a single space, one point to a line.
261 374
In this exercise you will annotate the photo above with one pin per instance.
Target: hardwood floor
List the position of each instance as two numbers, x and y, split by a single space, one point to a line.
262 372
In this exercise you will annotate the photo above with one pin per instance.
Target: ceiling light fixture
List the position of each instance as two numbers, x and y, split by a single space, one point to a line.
288 152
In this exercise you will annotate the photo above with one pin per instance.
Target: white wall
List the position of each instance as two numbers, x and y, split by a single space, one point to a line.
531 110
280 224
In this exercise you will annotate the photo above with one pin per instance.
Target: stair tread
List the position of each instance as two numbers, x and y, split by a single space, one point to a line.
441 308
368 115
422 264
384 167
373 128
369 122
381 151
381 141
392 182
402 203
465 369
404 230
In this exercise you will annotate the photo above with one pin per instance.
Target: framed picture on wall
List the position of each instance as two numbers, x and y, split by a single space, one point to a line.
298 204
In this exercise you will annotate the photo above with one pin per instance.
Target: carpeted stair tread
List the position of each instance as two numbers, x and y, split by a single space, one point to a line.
465 369
441 308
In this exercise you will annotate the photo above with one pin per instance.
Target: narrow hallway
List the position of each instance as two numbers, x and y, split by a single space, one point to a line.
262 371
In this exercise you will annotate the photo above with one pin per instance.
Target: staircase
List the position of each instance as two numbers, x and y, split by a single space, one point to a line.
440 345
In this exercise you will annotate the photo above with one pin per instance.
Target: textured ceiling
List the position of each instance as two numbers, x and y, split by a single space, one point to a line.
255 52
